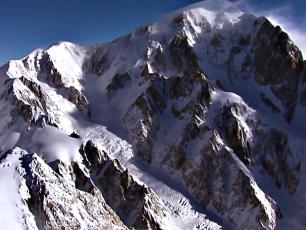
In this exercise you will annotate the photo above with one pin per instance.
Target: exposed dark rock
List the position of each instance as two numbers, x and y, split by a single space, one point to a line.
269 103
74 135
49 73
235 134
279 161
98 64
216 40
118 82
130 200
77 98
278 63
216 180
53 201
303 92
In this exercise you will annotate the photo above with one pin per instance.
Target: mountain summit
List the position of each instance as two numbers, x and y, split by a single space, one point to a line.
195 122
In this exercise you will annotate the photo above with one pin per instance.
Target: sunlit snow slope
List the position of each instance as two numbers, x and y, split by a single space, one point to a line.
195 122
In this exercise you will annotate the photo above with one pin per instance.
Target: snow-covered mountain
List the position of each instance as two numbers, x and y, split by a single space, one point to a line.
195 122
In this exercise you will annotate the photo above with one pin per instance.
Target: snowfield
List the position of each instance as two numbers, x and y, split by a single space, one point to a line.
173 126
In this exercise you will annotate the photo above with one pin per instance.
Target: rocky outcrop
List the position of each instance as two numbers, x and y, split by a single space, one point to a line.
203 102
217 180
31 102
210 170
98 62
181 53
77 98
303 85
279 161
69 195
278 63
236 134
135 203
265 53
50 75
56 204
118 82
30 98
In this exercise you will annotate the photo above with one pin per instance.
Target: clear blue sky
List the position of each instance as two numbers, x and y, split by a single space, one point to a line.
29 24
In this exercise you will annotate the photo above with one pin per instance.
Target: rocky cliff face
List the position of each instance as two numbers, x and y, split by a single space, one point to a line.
178 125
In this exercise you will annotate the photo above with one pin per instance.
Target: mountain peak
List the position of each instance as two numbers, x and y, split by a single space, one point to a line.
193 122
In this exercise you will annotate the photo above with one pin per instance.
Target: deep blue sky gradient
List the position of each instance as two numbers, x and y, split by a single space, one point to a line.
29 24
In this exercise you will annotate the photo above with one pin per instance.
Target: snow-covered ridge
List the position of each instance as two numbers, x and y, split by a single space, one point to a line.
185 113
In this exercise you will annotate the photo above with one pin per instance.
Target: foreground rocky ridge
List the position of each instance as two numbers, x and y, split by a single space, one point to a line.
201 97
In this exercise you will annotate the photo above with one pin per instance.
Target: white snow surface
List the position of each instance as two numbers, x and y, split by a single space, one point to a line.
106 126
14 193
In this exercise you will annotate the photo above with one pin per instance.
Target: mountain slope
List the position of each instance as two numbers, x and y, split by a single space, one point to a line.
191 123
